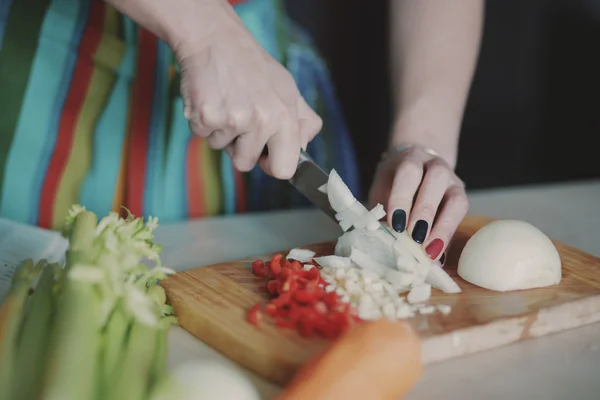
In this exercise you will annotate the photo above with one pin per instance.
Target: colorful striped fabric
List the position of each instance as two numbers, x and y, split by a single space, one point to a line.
90 113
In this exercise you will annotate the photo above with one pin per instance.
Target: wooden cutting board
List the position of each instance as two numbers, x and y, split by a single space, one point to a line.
212 302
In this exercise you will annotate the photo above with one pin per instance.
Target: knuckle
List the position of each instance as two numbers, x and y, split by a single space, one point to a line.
410 168
458 202
208 115
438 172
235 119
260 116
426 209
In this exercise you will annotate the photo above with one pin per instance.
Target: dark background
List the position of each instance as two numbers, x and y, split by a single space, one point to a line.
532 114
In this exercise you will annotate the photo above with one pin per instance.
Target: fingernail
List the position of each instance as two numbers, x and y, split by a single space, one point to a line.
420 231
434 248
443 259
399 220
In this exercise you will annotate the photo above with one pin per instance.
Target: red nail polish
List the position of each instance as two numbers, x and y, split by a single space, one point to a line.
435 248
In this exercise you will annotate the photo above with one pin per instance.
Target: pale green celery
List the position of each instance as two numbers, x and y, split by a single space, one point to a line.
115 342
134 380
34 340
73 361
81 239
12 315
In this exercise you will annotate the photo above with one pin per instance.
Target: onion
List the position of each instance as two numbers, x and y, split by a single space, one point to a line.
333 262
439 279
419 294
376 244
301 255
340 197
510 255
364 261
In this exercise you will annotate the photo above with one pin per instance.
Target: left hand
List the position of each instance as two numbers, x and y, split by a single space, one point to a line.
421 193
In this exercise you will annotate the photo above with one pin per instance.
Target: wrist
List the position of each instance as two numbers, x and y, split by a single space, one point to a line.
432 130
183 25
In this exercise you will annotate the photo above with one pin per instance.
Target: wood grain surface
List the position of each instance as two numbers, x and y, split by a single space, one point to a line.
212 302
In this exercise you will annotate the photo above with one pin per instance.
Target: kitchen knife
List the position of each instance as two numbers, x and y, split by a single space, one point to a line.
307 180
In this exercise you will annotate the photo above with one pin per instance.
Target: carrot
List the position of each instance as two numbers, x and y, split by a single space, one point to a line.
378 360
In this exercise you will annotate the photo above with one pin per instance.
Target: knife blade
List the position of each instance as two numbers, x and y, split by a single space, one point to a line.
309 177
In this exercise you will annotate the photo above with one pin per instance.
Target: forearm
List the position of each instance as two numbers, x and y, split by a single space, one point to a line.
176 22
434 51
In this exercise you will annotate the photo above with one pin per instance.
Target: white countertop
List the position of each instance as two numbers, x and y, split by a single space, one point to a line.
560 366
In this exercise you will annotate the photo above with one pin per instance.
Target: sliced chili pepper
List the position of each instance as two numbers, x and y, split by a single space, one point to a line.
258 269
283 300
313 273
311 285
306 328
331 299
272 287
276 264
285 323
254 315
284 274
296 266
271 309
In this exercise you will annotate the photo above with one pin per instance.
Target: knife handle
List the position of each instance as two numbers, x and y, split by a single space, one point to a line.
304 156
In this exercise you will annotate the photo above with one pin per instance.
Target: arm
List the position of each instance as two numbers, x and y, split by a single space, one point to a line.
434 51
177 22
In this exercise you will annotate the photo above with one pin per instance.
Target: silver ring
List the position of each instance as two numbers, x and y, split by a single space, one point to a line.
399 149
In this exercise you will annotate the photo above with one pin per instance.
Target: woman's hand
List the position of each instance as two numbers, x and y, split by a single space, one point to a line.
235 94
421 193
239 98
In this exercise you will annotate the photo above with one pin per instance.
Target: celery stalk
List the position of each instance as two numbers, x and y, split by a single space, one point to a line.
12 315
134 381
115 336
72 368
34 340
81 238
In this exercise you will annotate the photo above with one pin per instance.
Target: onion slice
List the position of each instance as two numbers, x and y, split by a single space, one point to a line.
301 255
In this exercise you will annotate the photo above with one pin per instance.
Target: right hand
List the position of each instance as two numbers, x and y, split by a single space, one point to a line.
241 99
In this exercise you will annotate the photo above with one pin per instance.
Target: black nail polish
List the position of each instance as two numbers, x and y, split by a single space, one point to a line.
443 259
420 231
399 220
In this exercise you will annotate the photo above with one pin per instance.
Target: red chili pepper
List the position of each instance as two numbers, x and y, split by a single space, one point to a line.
271 309
306 328
276 264
296 266
258 269
314 273
282 300
284 274
285 323
331 299
272 287
254 315
262 288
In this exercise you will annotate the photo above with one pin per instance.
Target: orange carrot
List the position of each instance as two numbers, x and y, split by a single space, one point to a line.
378 360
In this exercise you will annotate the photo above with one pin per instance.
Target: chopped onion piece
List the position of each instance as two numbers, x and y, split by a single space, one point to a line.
364 261
400 281
439 279
340 197
419 294
333 262
371 219
444 308
323 188
301 255
425 310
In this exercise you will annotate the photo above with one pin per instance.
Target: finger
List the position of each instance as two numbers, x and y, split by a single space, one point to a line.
247 150
220 139
206 119
435 183
310 123
405 184
284 151
454 207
